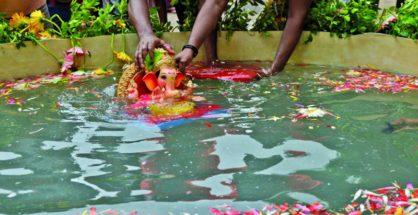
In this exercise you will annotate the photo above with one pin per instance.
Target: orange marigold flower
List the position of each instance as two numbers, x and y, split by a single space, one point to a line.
18 19
35 26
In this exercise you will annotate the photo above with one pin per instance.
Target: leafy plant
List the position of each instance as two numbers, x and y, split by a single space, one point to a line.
21 28
157 26
343 18
339 17
272 17
237 16
88 20
190 10
406 24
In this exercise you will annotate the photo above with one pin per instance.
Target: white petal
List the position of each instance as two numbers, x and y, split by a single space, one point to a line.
357 195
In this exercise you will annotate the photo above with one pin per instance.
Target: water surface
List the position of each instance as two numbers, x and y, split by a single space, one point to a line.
68 148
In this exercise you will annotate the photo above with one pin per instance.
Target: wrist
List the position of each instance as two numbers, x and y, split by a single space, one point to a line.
192 49
279 62
146 34
276 67
188 52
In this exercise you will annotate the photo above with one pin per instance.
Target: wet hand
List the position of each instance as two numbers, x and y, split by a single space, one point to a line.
146 45
267 72
184 58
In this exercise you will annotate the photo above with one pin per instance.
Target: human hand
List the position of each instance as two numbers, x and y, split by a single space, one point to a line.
184 58
146 45
273 70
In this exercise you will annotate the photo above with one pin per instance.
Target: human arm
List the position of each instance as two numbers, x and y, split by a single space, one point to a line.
205 23
298 9
139 16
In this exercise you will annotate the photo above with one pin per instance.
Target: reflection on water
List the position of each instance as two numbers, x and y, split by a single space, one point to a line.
16 171
8 156
90 152
219 185
132 138
232 149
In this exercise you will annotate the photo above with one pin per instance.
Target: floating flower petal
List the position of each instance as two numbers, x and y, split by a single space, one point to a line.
361 80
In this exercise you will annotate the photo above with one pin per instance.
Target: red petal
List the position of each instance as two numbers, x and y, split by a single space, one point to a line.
235 73
150 81
179 79
215 211
92 211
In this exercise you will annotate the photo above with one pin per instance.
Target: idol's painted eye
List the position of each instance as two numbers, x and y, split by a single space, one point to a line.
163 77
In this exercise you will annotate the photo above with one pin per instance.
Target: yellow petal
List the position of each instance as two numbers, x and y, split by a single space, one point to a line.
120 23
44 35
399 211
18 19
35 26
122 56
37 14
101 71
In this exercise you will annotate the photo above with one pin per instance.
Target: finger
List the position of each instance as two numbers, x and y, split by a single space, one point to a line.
259 76
181 66
144 52
138 59
151 47
177 60
186 63
167 47
137 55
265 72
179 63
189 61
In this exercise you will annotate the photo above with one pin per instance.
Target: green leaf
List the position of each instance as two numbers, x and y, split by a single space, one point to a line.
150 63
